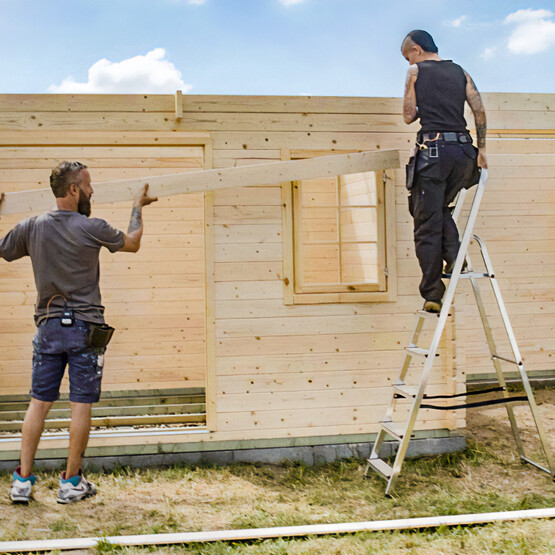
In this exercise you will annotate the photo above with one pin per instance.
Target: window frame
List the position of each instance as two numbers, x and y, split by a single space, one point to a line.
386 288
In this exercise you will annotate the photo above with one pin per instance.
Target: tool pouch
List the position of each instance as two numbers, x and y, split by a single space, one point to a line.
99 335
472 152
410 167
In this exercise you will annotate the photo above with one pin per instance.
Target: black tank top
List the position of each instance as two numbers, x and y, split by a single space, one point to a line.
440 94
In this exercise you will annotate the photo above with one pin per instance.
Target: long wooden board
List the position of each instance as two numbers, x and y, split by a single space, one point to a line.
277 532
210 180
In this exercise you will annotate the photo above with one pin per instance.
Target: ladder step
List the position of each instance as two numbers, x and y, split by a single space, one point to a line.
407 391
468 275
381 467
395 430
414 350
426 314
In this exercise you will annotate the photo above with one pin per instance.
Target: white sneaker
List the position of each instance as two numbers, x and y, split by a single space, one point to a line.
20 491
69 492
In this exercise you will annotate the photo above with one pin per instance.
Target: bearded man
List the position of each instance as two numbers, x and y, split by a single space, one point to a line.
64 246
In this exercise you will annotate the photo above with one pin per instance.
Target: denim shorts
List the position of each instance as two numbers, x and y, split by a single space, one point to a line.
55 347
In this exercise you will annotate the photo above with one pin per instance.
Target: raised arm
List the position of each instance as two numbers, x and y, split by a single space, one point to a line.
135 230
410 110
476 105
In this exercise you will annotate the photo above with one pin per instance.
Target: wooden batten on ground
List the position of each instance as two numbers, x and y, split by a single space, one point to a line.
213 303
276 532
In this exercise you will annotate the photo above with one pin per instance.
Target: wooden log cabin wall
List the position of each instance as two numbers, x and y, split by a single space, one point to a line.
238 322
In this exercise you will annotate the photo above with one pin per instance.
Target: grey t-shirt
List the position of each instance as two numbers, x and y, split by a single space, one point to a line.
64 248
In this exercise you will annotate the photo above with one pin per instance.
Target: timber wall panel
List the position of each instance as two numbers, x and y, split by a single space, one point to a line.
286 371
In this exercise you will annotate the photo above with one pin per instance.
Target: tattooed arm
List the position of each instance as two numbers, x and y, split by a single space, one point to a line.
475 102
410 110
135 229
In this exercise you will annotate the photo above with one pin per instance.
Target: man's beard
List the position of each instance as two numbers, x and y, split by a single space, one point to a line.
84 204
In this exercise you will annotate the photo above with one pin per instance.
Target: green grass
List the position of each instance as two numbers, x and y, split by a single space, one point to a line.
190 498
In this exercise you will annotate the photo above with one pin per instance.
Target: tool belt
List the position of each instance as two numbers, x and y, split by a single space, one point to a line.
447 136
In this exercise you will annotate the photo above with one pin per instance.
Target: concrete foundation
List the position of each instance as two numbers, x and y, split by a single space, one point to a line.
307 454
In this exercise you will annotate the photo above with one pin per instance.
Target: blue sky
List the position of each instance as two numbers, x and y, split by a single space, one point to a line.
317 47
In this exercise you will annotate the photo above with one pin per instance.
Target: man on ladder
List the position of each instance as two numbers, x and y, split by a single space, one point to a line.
444 160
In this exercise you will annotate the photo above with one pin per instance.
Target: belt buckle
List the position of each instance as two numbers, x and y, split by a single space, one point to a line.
433 152
450 137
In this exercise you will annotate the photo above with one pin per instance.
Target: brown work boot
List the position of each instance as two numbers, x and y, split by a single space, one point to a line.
432 306
450 266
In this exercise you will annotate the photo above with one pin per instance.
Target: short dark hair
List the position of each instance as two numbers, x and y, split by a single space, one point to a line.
63 175
423 39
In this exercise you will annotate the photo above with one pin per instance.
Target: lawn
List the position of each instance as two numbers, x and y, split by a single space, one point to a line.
486 477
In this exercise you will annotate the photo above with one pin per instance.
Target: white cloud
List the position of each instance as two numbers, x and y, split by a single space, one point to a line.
290 2
534 31
457 22
151 74
489 53
196 2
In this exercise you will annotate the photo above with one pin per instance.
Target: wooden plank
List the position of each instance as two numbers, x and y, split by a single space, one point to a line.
519 101
253 196
26 153
248 271
210 333
220 121
194 103
266 306
11 414
112 421
256 534
239 234
314 343
245 252
312 382
247 103
103 138
93 163
260 174
110 400
323 324
498 121
321 416
178 105
312 399
247 214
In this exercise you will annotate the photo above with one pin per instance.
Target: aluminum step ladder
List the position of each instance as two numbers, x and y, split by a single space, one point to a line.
402 432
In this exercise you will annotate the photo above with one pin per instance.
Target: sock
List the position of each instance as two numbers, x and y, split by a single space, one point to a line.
74 480
17 476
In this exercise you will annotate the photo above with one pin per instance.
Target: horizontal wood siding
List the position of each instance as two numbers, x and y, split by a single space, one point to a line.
291 371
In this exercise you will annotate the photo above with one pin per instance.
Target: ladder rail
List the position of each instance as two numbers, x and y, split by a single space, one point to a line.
448 300
496 363
520 364
459 204
403 434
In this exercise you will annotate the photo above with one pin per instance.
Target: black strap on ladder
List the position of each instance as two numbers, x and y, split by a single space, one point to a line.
513 399
501 401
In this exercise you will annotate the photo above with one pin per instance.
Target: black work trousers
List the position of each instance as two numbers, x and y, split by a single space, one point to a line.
440 172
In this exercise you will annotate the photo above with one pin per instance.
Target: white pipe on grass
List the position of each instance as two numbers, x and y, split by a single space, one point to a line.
280 531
